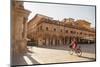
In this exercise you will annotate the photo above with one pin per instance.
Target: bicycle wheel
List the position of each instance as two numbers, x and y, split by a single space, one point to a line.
78 52
71 51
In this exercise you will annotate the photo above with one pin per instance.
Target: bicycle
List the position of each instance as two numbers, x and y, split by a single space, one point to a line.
77 51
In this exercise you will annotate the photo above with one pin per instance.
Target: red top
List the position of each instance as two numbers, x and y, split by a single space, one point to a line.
74 44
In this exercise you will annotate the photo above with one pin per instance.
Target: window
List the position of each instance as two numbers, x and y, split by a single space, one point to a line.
61 30
71 31
77 32
40 27
80 32
47 28
54 29
66 31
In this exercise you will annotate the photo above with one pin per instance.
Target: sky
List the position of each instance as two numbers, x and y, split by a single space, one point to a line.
60 11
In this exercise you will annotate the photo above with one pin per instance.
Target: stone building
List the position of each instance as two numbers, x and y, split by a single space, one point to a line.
18 27
44 30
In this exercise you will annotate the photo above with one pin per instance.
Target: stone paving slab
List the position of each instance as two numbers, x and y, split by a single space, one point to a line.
45 55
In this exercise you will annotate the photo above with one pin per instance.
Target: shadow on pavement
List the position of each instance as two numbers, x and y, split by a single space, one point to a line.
18 60
87 58
32 59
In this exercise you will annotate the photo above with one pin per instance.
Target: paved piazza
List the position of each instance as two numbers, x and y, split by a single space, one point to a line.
43 55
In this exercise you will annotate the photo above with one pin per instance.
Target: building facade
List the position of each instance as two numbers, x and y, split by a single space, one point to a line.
19 27
44 30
